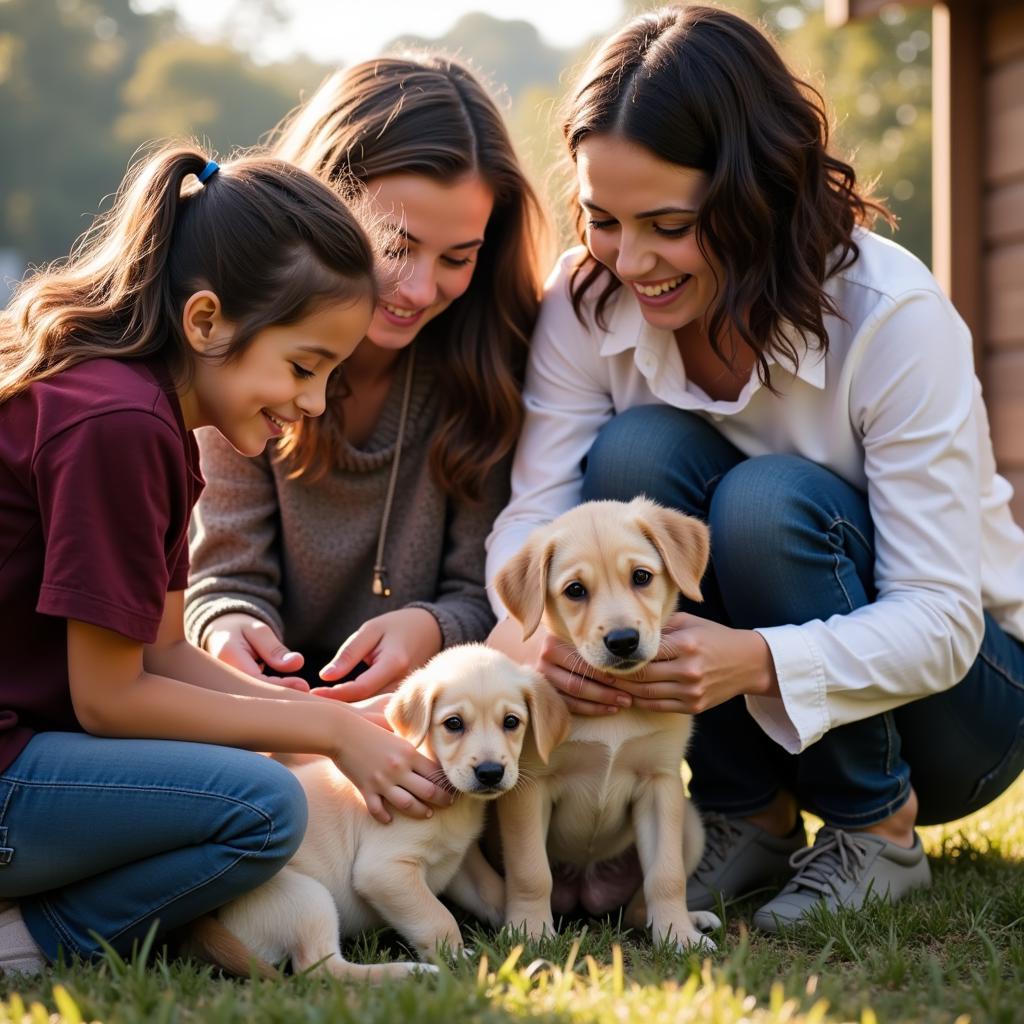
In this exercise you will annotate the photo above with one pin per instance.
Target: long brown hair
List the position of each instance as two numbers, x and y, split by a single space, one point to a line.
703 88
269 239
429 115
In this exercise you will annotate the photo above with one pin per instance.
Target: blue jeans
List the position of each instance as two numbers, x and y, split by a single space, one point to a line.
110 835
791 542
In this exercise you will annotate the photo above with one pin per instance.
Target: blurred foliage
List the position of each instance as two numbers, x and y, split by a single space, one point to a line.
83 83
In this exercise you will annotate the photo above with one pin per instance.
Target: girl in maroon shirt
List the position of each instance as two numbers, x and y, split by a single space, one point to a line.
208 296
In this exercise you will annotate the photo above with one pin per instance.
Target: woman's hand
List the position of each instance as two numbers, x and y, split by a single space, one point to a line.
700 665
252 646
393 645
390 772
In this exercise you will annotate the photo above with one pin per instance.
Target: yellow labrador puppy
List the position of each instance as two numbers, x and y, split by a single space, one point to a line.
470 709
605 577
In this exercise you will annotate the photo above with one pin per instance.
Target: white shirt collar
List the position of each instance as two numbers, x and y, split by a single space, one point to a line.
628 329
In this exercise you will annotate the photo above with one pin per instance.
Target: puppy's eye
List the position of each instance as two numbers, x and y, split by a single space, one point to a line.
575 591
511 723
641 577
453 724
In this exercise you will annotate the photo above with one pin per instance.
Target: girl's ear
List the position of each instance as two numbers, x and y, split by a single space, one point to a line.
202 321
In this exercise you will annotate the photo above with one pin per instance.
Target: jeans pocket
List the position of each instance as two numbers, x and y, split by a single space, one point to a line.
1005 772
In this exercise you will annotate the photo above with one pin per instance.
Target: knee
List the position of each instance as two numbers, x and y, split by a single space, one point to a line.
756 500
272 811
633 451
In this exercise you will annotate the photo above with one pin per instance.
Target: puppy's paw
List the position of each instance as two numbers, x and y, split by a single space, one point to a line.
531 926
705 920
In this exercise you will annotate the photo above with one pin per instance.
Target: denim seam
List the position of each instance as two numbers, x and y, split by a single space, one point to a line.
1001 670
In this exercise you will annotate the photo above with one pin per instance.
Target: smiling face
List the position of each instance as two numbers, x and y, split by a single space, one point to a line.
278 379
440 228
641 224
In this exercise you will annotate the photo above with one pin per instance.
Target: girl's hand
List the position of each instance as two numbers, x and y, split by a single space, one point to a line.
700 665
393 645
389 772
252 646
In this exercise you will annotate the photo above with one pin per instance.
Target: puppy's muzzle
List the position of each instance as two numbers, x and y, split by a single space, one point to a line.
623 643
489 774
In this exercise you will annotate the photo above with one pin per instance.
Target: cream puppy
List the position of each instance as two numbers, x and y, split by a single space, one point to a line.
470 708
605 577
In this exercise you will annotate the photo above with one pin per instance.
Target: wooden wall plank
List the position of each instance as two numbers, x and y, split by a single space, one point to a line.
1005 33
1004 397
1004 289
1004 149
1004 213
1004 86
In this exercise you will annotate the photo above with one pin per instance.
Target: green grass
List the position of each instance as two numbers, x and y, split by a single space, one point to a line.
955 951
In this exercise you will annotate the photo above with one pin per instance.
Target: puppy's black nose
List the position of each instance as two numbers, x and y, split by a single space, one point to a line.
489 773
622 642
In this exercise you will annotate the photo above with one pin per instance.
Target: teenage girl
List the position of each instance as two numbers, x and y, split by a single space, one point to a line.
209 296
355 544
734 342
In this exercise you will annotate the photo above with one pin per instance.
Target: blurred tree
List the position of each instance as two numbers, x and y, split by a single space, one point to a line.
62 63
182 87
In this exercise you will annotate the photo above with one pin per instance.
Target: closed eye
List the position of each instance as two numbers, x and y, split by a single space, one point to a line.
598 225
301 372
673 232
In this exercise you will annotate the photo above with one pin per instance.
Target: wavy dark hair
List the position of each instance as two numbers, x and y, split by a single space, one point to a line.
429 115
703 88
270 240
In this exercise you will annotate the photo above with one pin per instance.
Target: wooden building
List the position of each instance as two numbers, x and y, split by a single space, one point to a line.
978 193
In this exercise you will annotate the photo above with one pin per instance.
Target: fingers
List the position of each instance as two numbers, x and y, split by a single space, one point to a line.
677 707
288 682
375 806
267 647
581 689
383 673
355 649
237 655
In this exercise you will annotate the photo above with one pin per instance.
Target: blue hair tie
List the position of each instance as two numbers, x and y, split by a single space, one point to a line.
208 171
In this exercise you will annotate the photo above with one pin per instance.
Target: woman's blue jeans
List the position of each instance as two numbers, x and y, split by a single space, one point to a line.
791 542
107 836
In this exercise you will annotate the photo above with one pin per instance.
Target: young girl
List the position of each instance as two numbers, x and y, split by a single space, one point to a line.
733 342
224 301
355 544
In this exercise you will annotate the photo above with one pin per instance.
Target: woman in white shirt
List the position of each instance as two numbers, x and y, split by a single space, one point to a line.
734 342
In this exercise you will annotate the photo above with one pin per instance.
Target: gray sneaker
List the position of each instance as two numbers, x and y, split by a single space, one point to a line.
841 869
739 858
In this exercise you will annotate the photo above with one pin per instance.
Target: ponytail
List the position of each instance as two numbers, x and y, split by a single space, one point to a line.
269 239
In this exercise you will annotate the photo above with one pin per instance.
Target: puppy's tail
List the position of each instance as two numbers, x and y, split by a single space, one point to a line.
210 941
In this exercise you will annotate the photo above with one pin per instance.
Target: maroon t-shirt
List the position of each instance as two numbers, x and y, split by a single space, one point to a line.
98 476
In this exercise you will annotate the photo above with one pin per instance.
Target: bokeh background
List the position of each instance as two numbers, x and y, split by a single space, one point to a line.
84 83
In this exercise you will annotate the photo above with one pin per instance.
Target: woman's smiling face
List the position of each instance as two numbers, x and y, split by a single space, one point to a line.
439 228
641 216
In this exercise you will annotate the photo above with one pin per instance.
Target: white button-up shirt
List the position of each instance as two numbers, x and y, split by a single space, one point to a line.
894 408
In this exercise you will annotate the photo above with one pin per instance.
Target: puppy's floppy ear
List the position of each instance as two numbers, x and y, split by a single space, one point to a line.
522 582
683 542
409 711
549 717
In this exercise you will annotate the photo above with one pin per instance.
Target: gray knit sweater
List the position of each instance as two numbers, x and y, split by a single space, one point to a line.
300 555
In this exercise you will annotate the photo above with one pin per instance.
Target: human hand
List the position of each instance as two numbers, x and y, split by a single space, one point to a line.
390 772
393 645
700 665
252 646
585 690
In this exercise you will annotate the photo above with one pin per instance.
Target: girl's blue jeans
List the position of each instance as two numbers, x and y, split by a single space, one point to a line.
783 518
107 836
